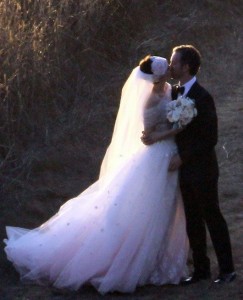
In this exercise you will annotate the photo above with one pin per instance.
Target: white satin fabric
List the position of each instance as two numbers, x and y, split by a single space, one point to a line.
125 230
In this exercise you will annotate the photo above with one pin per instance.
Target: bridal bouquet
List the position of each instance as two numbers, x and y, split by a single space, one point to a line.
181 111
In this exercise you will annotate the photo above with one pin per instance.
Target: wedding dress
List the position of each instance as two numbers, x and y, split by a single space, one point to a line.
125 230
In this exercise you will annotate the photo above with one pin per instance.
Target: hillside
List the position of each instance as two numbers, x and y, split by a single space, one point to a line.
63 64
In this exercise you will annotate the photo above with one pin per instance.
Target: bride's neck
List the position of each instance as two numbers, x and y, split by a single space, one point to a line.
159 88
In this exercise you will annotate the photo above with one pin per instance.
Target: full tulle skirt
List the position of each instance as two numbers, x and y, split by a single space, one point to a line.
126 230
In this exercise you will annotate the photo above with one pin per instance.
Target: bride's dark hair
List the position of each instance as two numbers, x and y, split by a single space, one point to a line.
145 65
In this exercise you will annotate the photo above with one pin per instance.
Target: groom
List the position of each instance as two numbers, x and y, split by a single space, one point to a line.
197 161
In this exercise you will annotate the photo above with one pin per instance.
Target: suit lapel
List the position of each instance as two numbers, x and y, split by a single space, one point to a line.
193 90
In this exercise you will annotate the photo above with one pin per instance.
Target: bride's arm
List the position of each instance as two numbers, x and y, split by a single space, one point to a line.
152 132
158 135
150 113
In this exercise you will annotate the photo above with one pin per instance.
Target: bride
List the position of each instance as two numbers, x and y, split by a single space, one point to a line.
128 228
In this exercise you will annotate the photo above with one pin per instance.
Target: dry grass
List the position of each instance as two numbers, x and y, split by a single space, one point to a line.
53 54
63 64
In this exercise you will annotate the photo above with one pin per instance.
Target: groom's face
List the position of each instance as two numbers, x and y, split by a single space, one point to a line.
176 69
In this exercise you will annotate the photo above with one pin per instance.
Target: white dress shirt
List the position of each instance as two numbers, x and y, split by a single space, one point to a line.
188 85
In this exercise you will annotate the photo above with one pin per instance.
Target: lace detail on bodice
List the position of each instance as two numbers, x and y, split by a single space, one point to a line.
156 115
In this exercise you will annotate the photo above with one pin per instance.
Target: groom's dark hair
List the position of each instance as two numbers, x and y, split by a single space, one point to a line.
189 56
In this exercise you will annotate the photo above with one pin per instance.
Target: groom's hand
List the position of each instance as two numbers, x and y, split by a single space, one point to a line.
175 163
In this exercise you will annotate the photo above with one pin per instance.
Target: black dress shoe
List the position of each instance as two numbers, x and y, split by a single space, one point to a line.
195 278
225 277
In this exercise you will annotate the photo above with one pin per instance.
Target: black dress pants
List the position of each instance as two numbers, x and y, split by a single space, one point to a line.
202 209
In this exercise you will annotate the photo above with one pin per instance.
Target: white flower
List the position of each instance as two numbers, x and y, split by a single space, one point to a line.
174 114
181 111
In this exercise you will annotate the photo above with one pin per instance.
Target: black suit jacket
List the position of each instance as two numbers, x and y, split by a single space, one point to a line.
197 141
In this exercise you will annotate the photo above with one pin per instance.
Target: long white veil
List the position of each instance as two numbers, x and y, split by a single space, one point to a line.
129 122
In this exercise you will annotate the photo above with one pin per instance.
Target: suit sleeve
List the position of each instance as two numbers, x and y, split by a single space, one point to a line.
203 135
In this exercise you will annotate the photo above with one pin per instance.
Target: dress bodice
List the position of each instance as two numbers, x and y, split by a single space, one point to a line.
155 116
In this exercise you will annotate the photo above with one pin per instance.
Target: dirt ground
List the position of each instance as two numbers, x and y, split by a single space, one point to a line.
231 194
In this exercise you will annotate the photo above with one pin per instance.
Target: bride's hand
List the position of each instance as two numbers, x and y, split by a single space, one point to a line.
151 138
